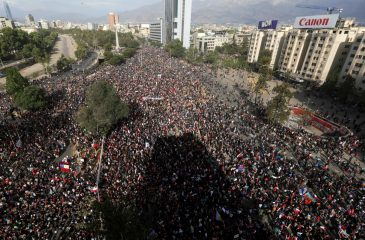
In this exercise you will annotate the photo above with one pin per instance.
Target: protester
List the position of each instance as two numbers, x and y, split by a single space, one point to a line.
266 178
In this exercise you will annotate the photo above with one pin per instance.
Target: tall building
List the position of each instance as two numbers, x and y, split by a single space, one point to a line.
355 62
4 22
91 26
43 24
156 31
113 19
29 20
257 43
274 43
178 21
293 51
8 12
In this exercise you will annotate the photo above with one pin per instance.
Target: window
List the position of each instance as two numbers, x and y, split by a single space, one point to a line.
355 48
358 40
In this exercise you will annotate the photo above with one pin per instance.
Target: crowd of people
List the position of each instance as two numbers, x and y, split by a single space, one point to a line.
207 165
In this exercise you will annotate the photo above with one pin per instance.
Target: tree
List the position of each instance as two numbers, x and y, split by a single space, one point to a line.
64 64
15 82
175 48
129 52
346 88
116 60
211 58
264 58
31 98
277 110
81 51
330 84
103 109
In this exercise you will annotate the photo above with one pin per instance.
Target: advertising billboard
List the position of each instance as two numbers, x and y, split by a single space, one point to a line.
317 22
269 24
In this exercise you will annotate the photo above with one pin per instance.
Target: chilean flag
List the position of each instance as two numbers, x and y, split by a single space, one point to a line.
64 167
93 189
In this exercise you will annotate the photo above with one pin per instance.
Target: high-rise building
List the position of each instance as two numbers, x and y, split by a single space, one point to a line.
43 24
274 43
29 20
156 31
8 12
178 21
257 43
91 26
113 19
355 62
4 22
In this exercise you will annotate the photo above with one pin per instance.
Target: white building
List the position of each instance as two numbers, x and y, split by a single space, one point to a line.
274 43
178 21
43 24
156 31
29 20
4 22
257 43
326 52
355 61
208 42
91 26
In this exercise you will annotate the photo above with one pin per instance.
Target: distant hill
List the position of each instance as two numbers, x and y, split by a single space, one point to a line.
220 11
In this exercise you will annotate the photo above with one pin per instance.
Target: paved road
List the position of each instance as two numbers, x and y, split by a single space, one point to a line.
65 45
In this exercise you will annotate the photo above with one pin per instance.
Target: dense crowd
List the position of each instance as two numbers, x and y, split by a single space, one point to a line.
207 166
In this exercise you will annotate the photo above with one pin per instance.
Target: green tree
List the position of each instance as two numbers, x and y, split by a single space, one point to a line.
64 64
211 58
31 98
346 89
175 48
129 52
116 60
81 51
264 58
15 82
103 108
330 84
277 110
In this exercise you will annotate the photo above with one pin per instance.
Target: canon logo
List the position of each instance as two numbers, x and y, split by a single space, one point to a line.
314 22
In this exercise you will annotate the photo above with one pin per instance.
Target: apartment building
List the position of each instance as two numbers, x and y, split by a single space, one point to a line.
208 42
327 52
274 43
355 61
257 43
294 47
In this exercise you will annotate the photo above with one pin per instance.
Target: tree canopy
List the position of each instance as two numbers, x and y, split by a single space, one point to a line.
15 82
175 48
103 108
31 98
64 64
277 109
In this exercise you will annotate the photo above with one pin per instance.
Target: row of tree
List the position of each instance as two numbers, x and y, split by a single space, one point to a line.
17 44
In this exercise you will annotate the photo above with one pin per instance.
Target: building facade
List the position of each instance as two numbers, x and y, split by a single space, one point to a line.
156 32
29 20
355 62
113 19
177 22
257 43
4 23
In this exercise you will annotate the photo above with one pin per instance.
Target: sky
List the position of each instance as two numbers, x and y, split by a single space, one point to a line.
87 7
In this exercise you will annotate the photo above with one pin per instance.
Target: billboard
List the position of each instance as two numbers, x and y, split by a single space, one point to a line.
269 24
317 22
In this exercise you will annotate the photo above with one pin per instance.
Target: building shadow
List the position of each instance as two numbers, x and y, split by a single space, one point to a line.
184 194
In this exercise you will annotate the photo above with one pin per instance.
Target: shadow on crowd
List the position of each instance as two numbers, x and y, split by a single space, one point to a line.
184 194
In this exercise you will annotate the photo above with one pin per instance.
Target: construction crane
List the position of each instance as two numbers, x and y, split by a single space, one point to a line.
329 10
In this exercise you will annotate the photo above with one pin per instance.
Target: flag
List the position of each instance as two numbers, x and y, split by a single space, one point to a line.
218 217
94 145
93 189
64 167
308 198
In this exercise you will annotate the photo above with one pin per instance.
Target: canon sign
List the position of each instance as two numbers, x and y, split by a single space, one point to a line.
315 22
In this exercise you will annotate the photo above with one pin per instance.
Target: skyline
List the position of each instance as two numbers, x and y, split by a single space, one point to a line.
212 11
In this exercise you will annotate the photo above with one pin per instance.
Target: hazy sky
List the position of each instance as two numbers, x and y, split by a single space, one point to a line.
96 6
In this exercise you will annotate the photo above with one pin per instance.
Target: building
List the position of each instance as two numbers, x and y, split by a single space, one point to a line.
43 24
178 21
274 43
257 43
29 20
241 37
355 61
208 42
4 22
113 19
156 31
327 52
91 26
293 51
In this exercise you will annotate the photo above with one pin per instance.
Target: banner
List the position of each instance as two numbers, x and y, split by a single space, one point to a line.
317 22
269 24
